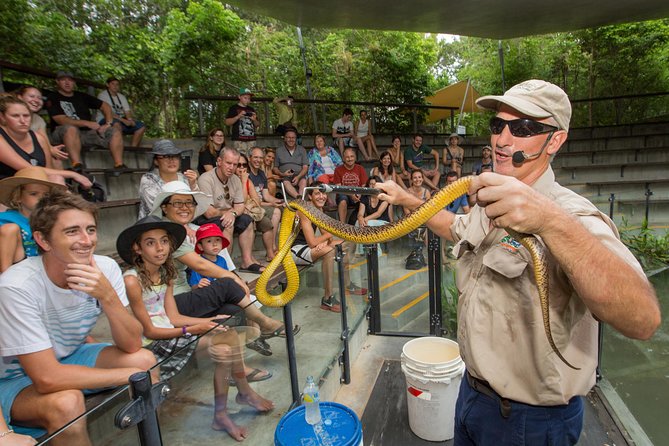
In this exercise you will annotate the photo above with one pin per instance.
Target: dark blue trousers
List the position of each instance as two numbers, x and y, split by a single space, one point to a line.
479 421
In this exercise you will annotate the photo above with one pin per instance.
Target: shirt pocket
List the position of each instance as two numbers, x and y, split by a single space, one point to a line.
508 264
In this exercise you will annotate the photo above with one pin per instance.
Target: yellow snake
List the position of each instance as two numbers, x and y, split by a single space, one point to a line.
377 234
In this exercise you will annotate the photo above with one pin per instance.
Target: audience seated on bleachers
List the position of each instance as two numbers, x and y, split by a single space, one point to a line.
460 202
209 151
292 164
268 168
165 162
229 293
414 157
269 202
364 138
417 189
323 160
342 130
373 210
287 118
147 246
264 218
310 247
73 125
453 155
484 162
227 209
399 165
20 194
46 360
32 96
244 121
20 147
385 169
349 174
121 112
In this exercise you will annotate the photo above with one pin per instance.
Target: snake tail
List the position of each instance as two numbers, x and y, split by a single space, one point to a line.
538 254
287 234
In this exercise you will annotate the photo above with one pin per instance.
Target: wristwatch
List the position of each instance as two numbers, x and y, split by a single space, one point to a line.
184 331
234 213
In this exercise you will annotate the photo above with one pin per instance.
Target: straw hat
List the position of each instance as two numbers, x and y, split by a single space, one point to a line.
455 135
181 188
129 235
29 175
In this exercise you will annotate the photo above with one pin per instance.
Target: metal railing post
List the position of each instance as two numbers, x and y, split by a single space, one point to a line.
648 195
434 279
612 200
290 350
141 411
373 289
345 358
200 116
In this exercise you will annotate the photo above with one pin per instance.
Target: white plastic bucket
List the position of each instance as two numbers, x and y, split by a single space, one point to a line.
433 370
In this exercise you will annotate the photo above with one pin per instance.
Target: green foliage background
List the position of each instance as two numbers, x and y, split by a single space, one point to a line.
162 49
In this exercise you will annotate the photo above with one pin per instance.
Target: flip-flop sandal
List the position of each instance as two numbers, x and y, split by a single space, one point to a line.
279 332
254 268
260 346
253 377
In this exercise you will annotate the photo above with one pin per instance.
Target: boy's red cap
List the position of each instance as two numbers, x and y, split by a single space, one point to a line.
209 230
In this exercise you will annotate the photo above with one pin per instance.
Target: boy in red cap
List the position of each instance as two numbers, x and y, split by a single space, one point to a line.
210 242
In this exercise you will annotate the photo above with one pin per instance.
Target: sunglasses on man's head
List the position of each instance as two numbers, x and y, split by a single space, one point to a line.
522 128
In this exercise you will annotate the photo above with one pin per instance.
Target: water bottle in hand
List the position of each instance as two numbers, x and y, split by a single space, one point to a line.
312 411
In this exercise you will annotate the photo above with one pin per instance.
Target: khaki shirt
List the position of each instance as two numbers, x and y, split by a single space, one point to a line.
225 195
500 328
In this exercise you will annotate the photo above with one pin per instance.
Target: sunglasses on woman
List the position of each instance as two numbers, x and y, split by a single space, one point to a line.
521 128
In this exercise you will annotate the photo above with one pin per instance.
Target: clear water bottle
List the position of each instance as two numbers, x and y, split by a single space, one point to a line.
311 398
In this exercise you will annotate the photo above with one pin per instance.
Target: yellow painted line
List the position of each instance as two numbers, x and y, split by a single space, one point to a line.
402 278
360 263
409 305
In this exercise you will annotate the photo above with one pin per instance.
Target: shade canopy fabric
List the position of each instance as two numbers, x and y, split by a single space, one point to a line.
458 95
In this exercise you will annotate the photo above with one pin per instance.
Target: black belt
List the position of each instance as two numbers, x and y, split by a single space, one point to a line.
484 388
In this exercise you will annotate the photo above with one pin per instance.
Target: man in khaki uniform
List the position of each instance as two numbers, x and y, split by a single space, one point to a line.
517 390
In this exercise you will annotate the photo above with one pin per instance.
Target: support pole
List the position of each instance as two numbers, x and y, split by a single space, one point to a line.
141 411
374 314
290 350
648 194
345 358
434 279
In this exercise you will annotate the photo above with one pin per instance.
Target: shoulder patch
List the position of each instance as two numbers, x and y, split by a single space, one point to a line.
510 244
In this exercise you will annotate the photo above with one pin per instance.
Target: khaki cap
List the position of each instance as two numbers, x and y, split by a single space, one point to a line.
534 98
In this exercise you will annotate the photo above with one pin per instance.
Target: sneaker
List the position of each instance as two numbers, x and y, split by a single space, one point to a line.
331 304
355 289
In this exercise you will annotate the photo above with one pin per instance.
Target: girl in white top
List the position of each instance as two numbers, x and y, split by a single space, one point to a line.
147 246
364 138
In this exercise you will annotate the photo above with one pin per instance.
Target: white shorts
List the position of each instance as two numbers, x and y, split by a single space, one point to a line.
302 255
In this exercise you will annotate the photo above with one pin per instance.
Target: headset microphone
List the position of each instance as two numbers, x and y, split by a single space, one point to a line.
520 157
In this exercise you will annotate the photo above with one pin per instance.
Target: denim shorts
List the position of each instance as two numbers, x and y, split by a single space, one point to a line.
127 129
86 355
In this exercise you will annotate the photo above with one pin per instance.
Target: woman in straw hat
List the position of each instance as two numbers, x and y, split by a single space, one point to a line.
20 194
20 147
453 155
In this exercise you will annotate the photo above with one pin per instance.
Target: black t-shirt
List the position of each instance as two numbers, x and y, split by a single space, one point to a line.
259 181
37 158
243 129
78 106
205 158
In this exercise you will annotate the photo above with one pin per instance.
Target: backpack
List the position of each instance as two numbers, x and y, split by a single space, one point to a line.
415 260
96 193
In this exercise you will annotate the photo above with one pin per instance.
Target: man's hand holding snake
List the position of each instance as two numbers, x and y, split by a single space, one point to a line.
510 203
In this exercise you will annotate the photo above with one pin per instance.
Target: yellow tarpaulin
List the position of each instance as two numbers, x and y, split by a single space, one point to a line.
459 95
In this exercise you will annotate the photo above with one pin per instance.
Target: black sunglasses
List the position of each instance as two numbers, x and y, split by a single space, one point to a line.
522 128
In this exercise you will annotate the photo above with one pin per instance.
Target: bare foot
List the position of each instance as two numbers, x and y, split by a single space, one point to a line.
256 401
222 422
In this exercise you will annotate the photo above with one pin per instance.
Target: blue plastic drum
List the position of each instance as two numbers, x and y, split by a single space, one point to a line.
339 426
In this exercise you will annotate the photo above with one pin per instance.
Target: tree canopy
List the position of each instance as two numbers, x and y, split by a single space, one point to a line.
164 49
